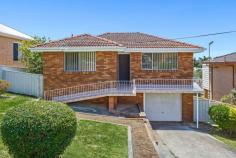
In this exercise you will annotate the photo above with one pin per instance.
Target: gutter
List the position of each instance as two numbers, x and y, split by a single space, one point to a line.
117 48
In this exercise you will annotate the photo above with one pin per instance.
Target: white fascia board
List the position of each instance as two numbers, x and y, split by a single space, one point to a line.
76 49
165 50
26 37
119 49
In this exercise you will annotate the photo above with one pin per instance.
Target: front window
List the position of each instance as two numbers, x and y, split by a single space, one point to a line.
159 61
80 61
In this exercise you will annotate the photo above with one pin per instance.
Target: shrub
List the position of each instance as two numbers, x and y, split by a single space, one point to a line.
38 129
4 85
224 115
230 98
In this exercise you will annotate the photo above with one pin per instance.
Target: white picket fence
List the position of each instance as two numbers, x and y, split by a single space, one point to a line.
203 109
23 82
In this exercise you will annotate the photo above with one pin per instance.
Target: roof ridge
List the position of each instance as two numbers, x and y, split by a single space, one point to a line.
108 40
80 35
224 55
155 36
171 40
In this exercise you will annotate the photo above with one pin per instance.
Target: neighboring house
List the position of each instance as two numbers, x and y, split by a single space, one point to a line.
222 76
123 68
10 41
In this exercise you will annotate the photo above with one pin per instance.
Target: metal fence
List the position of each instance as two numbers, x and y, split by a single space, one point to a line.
23 82
203 109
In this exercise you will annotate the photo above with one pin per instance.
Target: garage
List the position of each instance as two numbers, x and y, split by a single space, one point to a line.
163 106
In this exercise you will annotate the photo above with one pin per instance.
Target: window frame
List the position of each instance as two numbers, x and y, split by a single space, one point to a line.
19 53
158 69
79 63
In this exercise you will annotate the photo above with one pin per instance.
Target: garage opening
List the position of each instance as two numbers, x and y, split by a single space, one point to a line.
163 106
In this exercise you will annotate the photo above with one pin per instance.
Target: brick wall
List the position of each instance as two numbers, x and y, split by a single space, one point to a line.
6 52
185 68
102 100
138 99
187 107
107 69
55 76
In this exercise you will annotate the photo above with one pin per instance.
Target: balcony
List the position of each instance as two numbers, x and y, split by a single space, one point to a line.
123 88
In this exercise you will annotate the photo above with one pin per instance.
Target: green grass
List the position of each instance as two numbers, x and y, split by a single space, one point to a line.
228 140
93 139
98 140
8 101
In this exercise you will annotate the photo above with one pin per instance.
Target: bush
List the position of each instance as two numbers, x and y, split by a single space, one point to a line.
4 85
224 115
38 129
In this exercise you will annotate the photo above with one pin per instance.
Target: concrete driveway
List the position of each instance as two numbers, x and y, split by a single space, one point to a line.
181 141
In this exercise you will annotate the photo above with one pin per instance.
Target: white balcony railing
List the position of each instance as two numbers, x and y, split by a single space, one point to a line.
120 88
82 92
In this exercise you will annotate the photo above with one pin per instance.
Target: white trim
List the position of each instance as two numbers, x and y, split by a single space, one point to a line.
166 50
117 48
12 33
198 111
144 101
76 49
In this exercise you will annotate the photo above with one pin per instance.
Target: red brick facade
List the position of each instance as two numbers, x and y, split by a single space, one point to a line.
107 70
6 52
55 76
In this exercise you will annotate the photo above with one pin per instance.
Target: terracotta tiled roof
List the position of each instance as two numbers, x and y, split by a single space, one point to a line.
84 40
127 40
141 40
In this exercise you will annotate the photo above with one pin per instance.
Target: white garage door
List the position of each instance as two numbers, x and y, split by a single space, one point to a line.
163 107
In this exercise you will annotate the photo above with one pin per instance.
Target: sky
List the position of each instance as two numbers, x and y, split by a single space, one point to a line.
172 19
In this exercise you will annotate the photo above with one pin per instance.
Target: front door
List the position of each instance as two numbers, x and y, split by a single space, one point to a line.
124 67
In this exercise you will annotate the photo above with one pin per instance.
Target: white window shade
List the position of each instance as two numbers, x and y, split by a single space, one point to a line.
80 61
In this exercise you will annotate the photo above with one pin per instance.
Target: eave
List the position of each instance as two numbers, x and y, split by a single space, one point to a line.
118 49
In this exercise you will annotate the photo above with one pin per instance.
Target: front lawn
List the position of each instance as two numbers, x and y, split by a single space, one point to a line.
98 140
93 139
229 140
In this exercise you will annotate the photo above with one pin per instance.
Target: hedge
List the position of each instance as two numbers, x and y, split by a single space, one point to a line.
4 85
38 129
224 115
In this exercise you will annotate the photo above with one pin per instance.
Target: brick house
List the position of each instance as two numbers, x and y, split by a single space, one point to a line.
222 76
10 40
127 68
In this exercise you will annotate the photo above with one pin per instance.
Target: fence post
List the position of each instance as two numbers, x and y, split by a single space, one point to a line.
197 111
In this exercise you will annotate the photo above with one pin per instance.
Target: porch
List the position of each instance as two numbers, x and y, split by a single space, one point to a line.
123 88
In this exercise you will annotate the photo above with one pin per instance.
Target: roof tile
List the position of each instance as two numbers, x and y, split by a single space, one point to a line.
128 40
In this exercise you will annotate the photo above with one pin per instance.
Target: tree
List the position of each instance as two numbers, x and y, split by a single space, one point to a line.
230 98
198 62
32 60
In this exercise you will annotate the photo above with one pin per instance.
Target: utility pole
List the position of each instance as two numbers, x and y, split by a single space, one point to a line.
209 59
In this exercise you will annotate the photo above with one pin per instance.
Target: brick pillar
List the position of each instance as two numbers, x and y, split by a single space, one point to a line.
187 107
112 103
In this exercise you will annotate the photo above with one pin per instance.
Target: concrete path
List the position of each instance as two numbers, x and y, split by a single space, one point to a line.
181 141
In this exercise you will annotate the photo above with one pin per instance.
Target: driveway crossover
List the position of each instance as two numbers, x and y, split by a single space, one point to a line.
181 141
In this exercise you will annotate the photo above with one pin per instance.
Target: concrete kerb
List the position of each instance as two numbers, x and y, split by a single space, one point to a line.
150 133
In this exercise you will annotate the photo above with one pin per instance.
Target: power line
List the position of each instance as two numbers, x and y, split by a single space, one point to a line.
204 35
